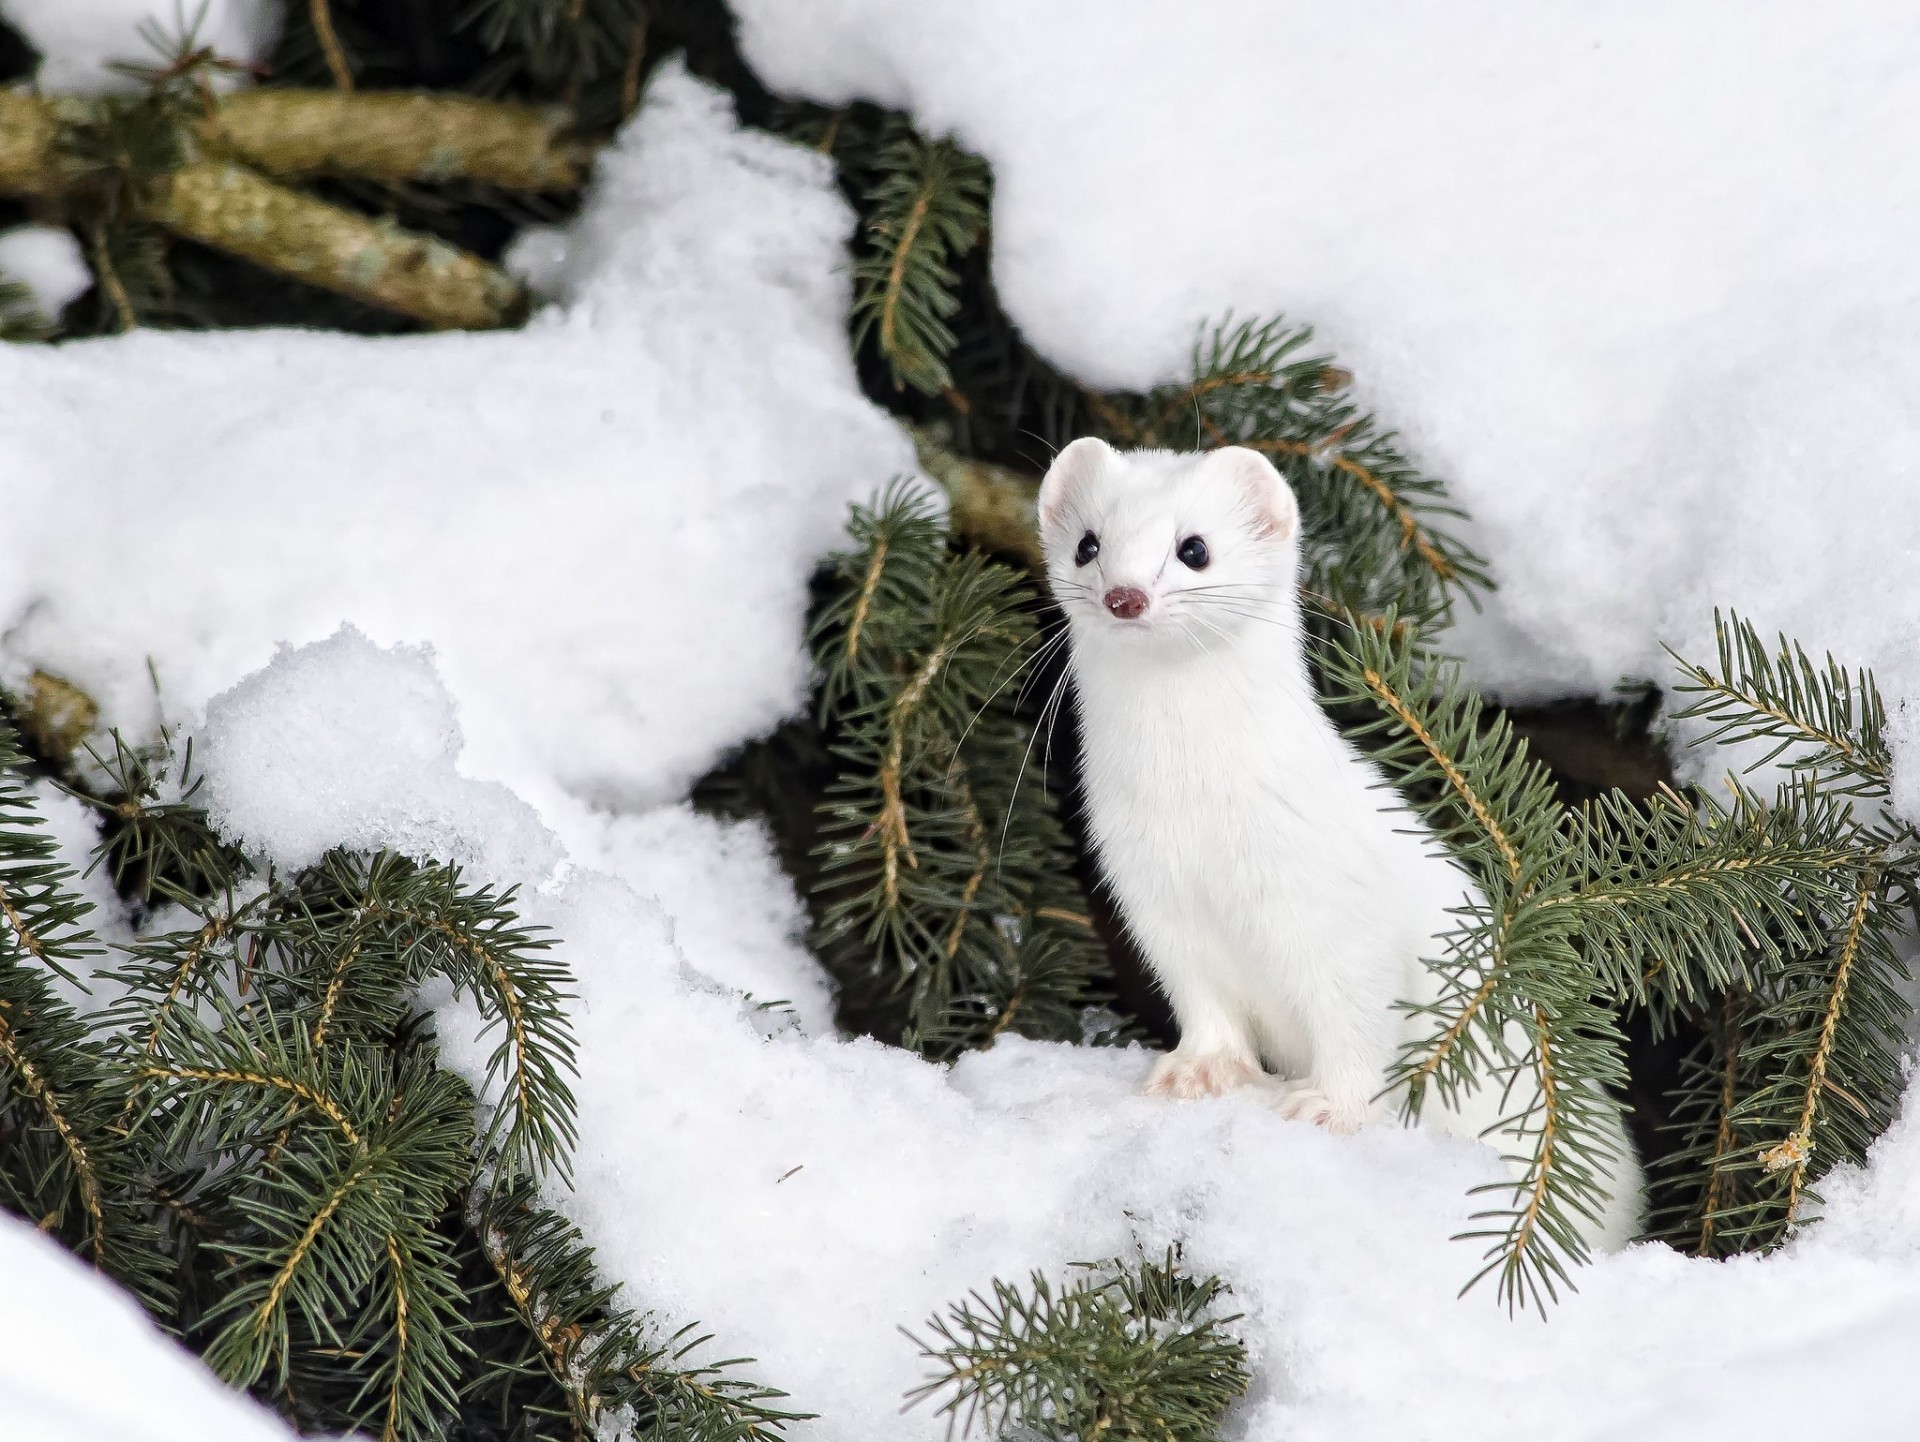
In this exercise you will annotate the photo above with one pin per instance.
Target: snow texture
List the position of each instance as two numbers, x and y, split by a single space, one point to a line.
81 40
803 1196
1642 280
342 744
45 259
687 425
80 1362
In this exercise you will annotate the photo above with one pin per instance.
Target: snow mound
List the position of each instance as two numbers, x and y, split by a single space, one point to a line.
604 524
80 1362
45 259
1641 280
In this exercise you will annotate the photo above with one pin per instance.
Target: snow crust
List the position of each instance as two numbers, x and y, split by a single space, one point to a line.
608 529
80 40
804 1196
80 1362
1641 280
45 259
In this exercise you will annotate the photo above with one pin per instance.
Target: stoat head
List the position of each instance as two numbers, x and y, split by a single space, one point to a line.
1154 547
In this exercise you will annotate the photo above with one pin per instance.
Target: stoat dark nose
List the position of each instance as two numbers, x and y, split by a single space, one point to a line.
1126 602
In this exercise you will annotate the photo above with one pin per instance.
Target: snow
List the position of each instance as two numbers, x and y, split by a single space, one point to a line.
731 905
80 1362
687 424
342 744
1649 297
803 1196
1641 280
45 259
82 39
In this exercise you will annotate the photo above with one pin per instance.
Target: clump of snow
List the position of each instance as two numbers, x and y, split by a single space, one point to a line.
1642 281
340 743
80 1362
604 524
81 40
803 1196
45 259
538 257
734 912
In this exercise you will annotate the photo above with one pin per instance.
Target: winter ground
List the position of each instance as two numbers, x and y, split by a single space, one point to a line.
1652 305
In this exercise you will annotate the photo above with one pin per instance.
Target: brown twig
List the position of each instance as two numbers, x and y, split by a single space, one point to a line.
322 13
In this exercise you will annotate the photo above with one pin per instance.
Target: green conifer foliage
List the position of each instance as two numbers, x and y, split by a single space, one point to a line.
1374 529
1801 1065
1775 923
927 208
949 901
257 1135
65 1163
1131 1352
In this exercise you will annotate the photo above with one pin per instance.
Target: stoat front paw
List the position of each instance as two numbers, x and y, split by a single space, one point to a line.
1304 1103
1188 1075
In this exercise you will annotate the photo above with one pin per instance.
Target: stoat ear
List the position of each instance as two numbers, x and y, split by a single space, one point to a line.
1268 496
1078 464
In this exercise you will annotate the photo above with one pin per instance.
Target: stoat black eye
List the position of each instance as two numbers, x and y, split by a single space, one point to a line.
1088 549
1193 554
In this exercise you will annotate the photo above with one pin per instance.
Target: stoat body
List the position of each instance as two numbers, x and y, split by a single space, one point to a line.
1283 894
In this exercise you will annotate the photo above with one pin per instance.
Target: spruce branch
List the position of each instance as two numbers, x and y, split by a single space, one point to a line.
1800 1068
1125 1351
608 1363
66 1165
475 940
927 208
1821 718
1376 532
575 52
157 844
258 1137
320 12
1803 1072
945 876
1683 898
1517 1009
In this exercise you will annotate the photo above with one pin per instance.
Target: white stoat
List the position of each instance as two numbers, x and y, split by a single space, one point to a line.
1283 894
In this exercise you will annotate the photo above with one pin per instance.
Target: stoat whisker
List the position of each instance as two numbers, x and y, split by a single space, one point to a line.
1047 712
1017 667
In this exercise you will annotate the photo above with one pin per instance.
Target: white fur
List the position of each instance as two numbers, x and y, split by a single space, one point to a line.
1283 894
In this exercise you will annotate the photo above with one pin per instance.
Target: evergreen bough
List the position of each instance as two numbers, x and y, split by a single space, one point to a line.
949 905
927 208
1129 1352
256 1135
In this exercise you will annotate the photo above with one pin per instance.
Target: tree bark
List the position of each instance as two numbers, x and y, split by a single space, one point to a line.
231 208
29 146
395 135
990 505
378 136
